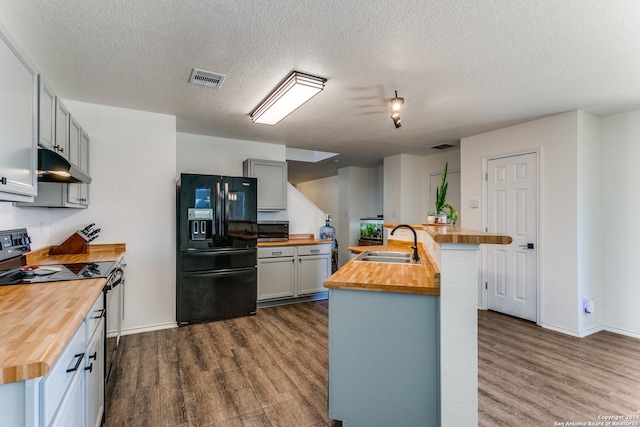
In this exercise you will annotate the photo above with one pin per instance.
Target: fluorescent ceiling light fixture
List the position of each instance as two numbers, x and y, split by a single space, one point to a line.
296 89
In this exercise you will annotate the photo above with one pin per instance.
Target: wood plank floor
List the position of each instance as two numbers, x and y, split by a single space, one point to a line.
532 376
272 370
265 370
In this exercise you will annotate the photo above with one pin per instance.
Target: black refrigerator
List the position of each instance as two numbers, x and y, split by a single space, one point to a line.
216 259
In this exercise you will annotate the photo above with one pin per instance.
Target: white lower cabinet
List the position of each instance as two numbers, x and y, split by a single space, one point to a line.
59 388
292 271
276 272
94 377
70 413
314 267
72 392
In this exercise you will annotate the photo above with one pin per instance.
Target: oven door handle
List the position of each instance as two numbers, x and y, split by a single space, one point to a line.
119 273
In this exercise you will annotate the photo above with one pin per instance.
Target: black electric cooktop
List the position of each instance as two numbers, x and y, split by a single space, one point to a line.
55 272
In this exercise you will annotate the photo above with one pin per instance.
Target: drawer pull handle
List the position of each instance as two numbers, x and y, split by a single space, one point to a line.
75 368
315 251
100 313
93 356
276 253
89 368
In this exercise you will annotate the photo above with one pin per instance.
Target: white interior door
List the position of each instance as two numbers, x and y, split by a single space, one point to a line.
512 210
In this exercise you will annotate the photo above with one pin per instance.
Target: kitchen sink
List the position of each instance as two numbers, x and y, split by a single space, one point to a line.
388 257
387 254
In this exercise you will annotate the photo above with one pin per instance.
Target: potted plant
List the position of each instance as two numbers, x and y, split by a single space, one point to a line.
445 213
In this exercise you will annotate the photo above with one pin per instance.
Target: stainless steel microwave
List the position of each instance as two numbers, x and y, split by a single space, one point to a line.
273 231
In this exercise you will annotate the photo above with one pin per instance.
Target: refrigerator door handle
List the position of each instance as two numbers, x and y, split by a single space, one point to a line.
218 215
218 252
217 273
226 208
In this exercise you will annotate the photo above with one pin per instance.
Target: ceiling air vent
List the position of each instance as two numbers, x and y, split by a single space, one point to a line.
442 146
206 78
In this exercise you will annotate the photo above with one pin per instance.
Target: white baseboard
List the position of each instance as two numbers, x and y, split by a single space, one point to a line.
149 328
276 303
591 331
560 329
622 331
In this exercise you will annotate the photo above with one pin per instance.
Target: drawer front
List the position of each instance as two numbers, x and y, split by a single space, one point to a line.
95 314
54 385
314 249
276 252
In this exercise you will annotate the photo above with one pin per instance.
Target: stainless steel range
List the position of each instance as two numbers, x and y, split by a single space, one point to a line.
57 272
114 294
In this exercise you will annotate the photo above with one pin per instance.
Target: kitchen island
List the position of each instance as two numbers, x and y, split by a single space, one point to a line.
37 321
403 338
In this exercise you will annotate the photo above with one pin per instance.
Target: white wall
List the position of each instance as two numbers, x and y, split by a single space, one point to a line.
406 185
376 193
392 166
323 192
434 165
589 221
132 199
621 227
35 220
556 139
221 156
404 189
353 204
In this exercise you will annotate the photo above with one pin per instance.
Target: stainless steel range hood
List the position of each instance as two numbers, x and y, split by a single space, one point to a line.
52 167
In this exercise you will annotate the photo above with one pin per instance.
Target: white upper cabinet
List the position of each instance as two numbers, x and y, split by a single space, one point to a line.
78 194
76 148
272 182
47 115
75 136
62 129
18 123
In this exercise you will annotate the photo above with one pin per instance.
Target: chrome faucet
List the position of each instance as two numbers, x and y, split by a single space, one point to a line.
416 258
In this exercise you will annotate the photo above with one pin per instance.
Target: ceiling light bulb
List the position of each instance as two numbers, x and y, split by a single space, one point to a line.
396 102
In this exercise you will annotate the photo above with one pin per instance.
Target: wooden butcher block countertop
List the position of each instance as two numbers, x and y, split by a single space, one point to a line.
407 278
423 279
453 234
295 240
37 320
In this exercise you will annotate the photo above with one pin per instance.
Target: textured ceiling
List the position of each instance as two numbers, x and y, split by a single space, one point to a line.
463 67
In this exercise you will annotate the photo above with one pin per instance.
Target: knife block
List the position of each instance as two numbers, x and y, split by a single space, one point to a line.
75 244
